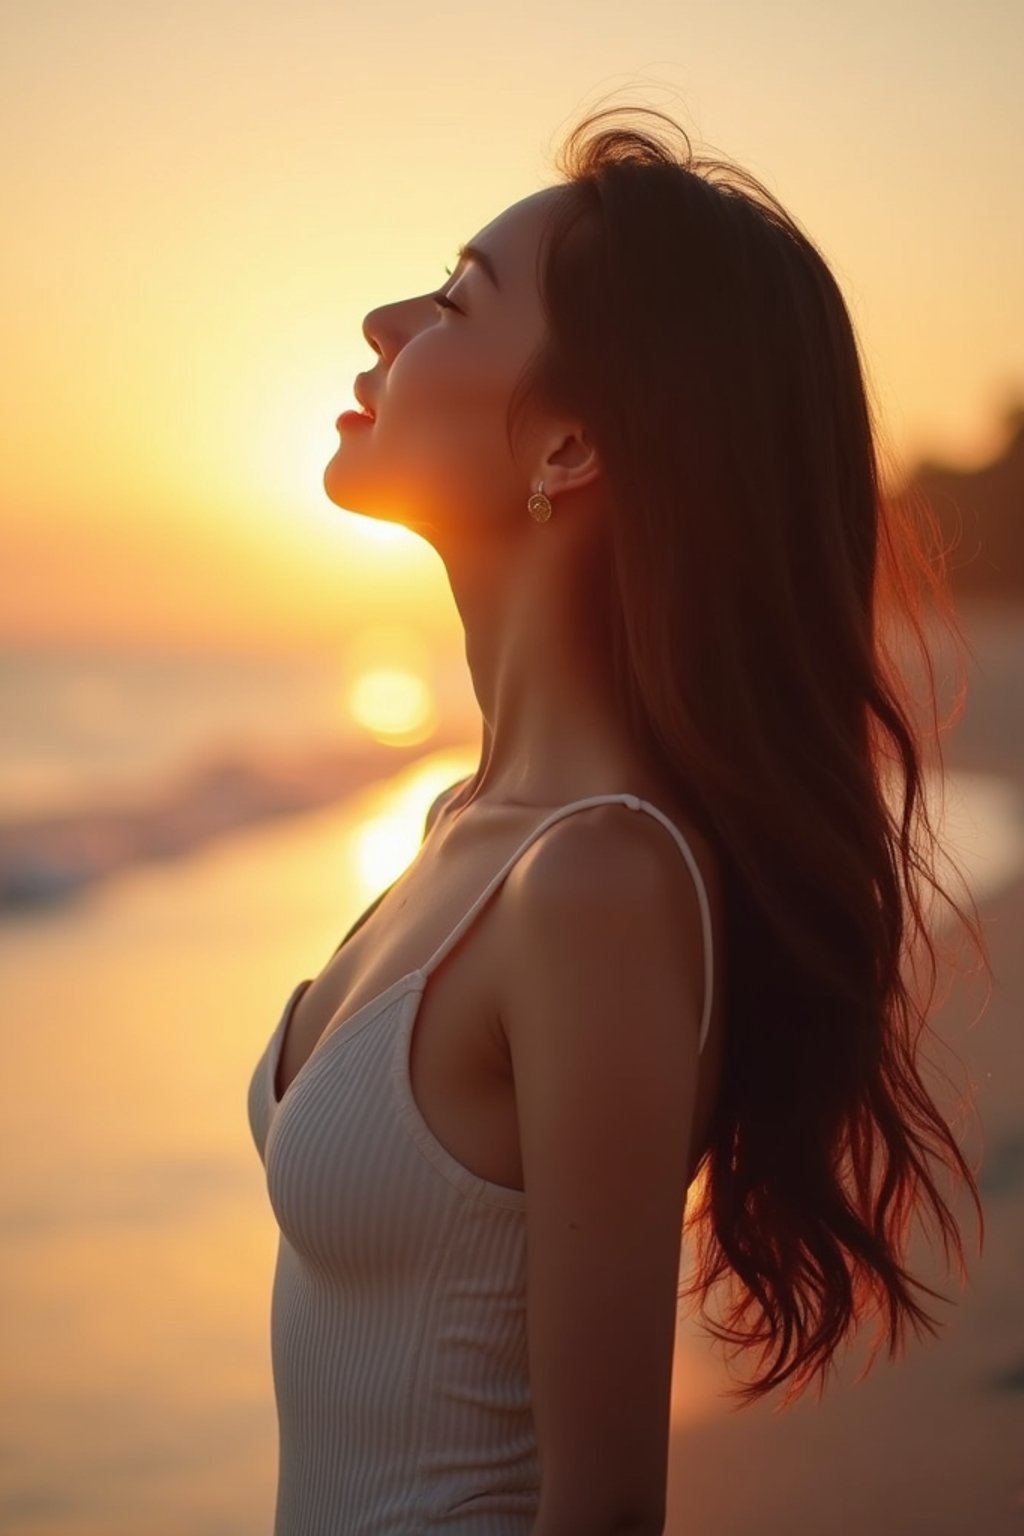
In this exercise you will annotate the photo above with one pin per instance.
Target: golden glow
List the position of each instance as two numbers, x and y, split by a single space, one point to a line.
201 244
386 533
393 645
387 844
387 837
389 692
393 705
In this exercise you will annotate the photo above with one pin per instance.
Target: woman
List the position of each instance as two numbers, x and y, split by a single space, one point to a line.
481 1119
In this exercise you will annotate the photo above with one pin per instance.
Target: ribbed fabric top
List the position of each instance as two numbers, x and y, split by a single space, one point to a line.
398 1315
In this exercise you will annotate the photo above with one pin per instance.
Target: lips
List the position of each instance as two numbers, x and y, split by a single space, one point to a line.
359 390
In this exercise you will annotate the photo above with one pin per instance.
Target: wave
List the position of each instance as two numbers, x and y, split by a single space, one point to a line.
48 860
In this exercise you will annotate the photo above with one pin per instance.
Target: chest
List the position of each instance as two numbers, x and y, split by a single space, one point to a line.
457 1060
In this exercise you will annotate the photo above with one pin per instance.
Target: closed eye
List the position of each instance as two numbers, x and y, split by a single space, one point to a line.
443 301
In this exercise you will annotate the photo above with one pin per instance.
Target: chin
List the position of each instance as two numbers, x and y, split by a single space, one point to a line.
334 484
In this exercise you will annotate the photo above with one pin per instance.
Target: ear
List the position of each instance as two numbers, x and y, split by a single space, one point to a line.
571 464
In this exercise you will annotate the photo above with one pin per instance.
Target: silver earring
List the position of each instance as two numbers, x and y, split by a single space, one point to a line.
539 506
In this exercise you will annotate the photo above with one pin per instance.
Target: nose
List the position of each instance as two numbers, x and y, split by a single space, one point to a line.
369 331
387 328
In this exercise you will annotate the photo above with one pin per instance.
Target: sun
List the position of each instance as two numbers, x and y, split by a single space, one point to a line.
392 704
389 691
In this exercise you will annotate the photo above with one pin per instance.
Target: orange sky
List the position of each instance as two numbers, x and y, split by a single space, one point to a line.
204 199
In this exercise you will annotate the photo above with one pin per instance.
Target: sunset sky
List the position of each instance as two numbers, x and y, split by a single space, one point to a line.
203 199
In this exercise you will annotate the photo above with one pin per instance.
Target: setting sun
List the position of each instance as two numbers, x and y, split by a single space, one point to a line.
393 705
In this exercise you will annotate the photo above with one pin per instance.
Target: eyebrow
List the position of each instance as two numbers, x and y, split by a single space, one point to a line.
474 253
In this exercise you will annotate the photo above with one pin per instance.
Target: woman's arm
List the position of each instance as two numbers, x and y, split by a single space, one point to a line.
602 1009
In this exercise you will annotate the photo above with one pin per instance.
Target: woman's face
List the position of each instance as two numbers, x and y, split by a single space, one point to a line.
436 453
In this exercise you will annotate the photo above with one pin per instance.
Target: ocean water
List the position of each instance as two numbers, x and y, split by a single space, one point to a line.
90 724
138 1242
110 759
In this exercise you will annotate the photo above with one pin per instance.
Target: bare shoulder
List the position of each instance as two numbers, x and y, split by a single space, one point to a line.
600 912
600 872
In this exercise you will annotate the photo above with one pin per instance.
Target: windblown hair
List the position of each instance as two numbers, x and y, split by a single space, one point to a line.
756 575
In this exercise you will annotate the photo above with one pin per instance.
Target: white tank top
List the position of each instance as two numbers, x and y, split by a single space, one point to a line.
398 1316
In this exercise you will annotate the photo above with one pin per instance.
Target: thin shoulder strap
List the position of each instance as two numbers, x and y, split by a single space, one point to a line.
635 804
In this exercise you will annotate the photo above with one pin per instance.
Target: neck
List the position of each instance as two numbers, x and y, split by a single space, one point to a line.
538 650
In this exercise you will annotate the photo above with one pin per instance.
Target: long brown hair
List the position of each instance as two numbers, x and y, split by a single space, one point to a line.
759 585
